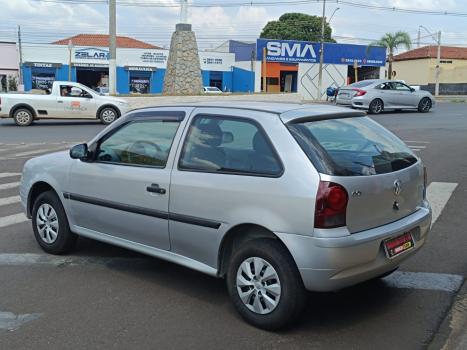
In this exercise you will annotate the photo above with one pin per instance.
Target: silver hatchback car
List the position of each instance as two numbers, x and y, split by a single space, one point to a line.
377 95
276 198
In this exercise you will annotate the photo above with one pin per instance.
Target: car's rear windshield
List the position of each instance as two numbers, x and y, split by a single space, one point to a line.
362 83
351 146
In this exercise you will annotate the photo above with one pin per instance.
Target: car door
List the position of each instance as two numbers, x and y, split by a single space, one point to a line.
223 160
124 192
403 95
75 103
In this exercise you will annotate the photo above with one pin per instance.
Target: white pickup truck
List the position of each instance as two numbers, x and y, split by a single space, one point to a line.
66 100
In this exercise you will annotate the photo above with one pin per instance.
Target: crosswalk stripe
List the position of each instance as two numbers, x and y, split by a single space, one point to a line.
10 200
12 219
438 194
37 151
424 280
9 185
9 174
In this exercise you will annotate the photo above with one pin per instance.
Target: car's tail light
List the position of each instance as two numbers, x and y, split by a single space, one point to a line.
360 92
425 182
331 205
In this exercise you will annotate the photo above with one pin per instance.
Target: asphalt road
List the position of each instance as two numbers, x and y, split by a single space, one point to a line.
106 297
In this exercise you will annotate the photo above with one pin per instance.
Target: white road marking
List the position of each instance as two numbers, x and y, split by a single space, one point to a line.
406 141
12 219
417 147
10 322
424 280
37 151
9 174
9 200
9 185
438 194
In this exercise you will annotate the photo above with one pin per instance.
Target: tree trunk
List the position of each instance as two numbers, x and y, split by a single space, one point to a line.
390 65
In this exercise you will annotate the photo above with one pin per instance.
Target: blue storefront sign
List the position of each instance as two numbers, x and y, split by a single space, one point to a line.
289 51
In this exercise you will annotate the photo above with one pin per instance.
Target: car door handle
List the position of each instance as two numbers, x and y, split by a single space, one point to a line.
59 101
154 188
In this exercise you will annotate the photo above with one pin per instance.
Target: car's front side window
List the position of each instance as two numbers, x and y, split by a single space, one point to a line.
139 143
228 145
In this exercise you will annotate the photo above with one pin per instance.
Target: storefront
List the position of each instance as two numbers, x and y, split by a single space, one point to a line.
293 66
139 71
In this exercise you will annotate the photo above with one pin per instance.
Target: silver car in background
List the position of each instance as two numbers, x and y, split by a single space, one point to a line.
275 198
377 95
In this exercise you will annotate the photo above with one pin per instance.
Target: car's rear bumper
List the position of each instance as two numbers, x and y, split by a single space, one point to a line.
327 264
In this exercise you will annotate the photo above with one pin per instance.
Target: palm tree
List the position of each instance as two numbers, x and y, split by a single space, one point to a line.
392 41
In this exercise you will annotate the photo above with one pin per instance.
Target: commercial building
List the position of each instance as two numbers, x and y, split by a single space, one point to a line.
9 63
140 66
293 66
418 67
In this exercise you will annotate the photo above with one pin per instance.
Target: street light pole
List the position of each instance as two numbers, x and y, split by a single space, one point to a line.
112 47
70 49
321 53
184 11
438 65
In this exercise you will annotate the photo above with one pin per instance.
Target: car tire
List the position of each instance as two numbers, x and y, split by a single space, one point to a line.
108 115
283 279
424 105
376 106
23 117
50 224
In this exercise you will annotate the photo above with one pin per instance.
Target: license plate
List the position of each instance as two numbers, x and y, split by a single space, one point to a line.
399 244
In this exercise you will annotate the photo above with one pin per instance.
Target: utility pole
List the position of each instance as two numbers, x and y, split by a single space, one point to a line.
70 49
20 49
112 47
321 53
438 65
418 37
264 69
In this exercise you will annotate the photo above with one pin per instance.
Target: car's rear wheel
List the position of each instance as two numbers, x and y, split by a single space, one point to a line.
264 284
424 105
108 115
376 106
23 117
50 224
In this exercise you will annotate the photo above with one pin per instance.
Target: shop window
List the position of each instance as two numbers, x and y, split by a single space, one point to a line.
140 82
42 79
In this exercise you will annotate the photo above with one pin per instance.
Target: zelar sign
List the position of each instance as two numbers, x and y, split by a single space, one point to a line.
288 51
91 54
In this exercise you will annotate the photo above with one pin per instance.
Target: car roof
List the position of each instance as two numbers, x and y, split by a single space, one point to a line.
286 111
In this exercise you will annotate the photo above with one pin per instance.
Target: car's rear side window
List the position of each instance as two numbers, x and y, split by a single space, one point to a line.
352 146
232 145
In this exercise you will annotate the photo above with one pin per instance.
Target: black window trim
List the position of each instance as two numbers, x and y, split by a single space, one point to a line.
240 173
142 117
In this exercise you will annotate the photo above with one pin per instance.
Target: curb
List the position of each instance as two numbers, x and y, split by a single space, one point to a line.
452 333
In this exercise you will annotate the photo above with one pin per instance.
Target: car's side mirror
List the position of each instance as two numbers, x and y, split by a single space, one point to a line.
79 152
412 89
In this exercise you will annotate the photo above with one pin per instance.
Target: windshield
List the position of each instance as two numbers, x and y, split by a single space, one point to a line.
352 147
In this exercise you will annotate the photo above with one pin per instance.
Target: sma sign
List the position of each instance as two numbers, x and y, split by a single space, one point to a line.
287 51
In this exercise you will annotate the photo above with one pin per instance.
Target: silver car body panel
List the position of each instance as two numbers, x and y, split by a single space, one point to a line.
201 208
392 99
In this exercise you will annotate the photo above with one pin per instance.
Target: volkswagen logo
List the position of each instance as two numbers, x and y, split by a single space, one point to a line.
397 187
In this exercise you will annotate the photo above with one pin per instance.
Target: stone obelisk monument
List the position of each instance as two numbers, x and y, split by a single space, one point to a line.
183 74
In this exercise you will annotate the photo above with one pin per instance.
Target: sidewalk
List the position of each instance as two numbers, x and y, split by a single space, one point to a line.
452 334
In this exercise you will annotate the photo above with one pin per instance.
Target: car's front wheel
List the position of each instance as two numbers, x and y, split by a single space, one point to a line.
23 117
264 284
50 224
376 106
108 115
424 105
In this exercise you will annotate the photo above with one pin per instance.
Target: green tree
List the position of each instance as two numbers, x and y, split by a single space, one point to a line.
296 26
392 41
